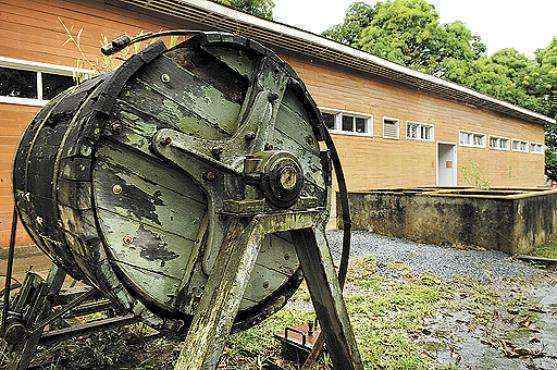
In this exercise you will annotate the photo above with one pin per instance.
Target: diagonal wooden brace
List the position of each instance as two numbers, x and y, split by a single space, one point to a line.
227 283
222 296
317 264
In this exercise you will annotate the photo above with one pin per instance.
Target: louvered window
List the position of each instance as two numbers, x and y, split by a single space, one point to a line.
390 128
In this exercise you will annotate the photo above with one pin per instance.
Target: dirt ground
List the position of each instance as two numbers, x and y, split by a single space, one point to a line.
412 307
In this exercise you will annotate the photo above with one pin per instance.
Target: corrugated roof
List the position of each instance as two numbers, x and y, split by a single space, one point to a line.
215 16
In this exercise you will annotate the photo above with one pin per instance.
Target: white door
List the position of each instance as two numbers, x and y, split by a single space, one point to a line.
446 164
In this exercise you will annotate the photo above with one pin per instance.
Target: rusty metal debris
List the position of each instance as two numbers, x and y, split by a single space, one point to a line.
298 342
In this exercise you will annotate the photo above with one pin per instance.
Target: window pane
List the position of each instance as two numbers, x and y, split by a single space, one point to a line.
426 132
55 84
361 125
347 123
329 120
503 143
17 83
412 131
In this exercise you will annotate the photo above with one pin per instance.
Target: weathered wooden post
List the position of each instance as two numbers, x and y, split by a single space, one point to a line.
190 189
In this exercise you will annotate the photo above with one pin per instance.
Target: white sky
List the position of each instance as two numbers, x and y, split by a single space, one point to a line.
525 25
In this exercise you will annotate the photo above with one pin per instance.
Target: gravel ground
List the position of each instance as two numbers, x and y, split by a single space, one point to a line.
467 345
444 262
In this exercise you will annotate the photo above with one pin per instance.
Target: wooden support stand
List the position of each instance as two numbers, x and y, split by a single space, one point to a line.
226 286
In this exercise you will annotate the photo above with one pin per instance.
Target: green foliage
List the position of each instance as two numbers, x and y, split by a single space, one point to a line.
259 8
409 32
358 16
548 250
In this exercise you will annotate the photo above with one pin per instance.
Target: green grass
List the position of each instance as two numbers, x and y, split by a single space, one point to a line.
548 250
389 312
384 313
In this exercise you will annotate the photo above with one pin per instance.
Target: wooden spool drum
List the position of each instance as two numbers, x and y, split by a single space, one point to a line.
97 199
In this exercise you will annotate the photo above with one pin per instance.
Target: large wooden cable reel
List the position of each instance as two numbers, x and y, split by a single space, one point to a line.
189 187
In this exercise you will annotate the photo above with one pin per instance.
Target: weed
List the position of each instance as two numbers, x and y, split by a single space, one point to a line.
548 250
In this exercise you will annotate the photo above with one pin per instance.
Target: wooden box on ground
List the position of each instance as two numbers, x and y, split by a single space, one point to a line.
510 220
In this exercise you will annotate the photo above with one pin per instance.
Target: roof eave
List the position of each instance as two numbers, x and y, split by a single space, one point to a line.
315 46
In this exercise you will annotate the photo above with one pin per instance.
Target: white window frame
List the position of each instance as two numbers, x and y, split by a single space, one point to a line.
500 137
538 144
471 145
397 128
420 125
39 69
338 113
520 150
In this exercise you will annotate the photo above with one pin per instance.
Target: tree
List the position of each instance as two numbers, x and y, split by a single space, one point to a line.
358 16
544 86
507 75
259 8
407 32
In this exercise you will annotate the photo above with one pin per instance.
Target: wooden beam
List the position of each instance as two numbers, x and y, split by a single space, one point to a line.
221 299
317 264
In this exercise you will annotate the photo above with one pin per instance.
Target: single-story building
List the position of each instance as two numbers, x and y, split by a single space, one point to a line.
393 127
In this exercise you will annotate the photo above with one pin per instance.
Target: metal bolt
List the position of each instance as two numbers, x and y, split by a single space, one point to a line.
166 141
117 189
216 151
250 136
210 176
85 150
268 147
165 78
116 128
266 285
127 239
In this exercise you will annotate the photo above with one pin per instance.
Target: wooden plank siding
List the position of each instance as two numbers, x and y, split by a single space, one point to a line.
31 30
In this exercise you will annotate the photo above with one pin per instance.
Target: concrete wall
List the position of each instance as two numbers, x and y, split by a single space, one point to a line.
513 224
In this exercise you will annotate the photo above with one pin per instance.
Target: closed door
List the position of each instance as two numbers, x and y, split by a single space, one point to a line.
446 164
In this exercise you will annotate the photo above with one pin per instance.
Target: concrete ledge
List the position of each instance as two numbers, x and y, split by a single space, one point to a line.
510 220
